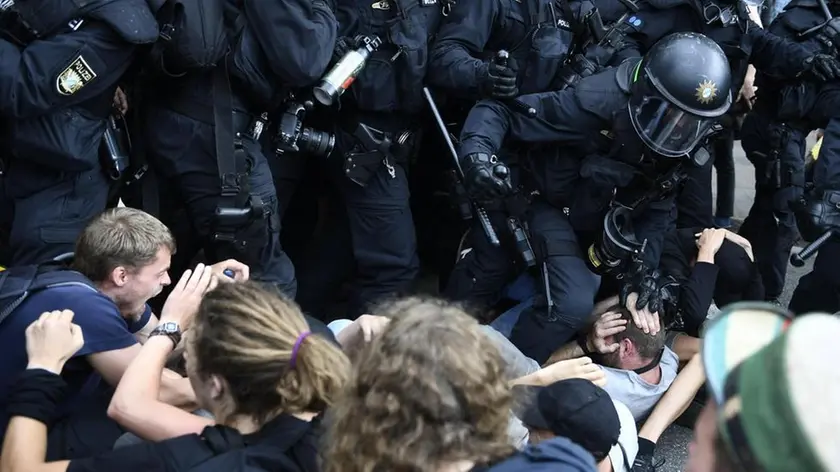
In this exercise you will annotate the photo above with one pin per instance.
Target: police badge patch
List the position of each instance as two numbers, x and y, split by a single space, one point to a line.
74 77
706 91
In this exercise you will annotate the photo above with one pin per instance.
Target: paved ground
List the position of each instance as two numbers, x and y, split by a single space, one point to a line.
673 446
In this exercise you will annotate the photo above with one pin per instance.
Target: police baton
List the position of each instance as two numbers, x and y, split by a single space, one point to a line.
481 214
798 259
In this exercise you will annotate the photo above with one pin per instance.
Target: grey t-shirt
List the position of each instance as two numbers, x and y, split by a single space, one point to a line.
637 394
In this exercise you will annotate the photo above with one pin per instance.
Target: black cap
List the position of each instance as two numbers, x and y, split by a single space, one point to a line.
576 409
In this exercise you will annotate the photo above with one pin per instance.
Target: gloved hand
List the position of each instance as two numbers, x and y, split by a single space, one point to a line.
823 67
817 212
640 293
499 81
485 177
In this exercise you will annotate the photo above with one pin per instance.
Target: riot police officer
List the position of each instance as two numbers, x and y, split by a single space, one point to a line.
784 114
203 123
59 71
617 129
537 35
376 131
728 23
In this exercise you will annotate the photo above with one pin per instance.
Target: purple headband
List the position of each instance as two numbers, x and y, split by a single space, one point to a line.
296 349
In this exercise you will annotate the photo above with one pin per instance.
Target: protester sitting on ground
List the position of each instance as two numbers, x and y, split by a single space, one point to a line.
583 412
429 394
124 253
774 393
254 365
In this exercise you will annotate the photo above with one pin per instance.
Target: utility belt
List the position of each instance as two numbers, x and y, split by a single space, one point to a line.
373 147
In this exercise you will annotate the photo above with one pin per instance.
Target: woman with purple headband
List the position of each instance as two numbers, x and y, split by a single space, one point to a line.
254 365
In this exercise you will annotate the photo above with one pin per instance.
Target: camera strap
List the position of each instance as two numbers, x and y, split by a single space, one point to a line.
232 210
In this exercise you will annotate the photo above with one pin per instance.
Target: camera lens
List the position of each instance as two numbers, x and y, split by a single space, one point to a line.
318 143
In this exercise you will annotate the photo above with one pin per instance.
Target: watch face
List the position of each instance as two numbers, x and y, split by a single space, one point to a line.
169 327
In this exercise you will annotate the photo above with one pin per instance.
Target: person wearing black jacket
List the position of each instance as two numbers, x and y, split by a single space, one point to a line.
59 70
260 370
275 45
708 265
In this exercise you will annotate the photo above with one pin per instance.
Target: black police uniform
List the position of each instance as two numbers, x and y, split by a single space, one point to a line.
589 121
744 43
775 141
537 35
376 133
277 43
57 92
773 136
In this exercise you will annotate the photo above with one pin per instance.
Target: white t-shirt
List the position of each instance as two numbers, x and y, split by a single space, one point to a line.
628 440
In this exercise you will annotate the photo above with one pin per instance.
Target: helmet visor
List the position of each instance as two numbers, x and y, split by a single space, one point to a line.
664 127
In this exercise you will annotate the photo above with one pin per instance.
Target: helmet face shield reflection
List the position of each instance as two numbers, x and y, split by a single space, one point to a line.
664 127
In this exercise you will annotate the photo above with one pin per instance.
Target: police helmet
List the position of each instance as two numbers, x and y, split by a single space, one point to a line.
679 89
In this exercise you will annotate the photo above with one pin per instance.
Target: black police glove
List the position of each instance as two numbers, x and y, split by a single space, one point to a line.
645 282
817 212
499 81
485 177
823 67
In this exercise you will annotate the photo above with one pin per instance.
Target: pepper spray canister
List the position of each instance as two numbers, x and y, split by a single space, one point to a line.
342 75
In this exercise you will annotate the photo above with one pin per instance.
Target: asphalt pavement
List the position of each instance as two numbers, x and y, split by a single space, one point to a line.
673 445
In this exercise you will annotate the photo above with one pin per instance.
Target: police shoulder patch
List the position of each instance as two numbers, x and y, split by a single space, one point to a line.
74 77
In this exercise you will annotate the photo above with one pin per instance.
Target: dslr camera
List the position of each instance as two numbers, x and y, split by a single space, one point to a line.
292 136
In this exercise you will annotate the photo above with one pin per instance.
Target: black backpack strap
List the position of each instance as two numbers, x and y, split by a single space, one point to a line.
18 283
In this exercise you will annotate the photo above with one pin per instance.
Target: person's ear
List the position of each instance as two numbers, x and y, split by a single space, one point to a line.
626 348
119 276
217 387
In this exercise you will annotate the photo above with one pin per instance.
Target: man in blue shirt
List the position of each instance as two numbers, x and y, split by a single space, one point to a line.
126 254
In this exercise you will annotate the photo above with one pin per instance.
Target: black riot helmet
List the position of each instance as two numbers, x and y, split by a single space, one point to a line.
679 89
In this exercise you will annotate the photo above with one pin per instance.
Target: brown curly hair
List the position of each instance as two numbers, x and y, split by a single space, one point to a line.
429 391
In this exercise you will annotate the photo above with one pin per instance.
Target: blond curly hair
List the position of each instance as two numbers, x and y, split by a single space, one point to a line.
428 392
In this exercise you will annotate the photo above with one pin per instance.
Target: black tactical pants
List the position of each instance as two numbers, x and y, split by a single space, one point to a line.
724 164
540 330
770 226
46 209
481 275
819 290
182 151
370 237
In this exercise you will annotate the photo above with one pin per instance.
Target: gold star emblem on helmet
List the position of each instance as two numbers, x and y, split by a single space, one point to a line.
706 91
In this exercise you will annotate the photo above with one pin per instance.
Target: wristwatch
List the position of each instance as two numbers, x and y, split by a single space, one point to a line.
170 329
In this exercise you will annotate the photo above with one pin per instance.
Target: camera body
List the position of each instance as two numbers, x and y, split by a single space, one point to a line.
292 136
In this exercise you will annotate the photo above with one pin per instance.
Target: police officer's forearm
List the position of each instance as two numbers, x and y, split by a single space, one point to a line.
485 128
452 68
297 37
776 56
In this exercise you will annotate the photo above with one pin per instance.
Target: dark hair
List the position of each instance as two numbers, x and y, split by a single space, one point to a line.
647 345
736 274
